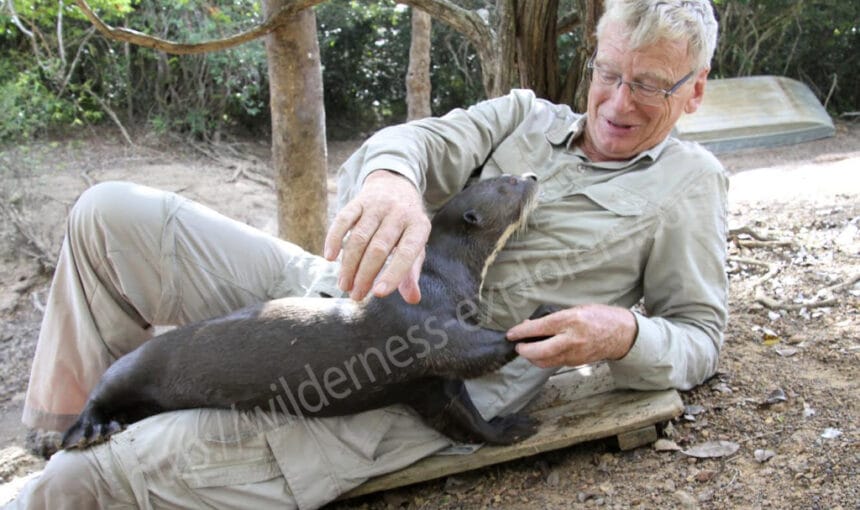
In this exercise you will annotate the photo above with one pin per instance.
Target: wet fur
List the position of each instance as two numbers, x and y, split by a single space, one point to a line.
269 355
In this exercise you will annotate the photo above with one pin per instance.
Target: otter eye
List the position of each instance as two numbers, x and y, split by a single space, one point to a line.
472 217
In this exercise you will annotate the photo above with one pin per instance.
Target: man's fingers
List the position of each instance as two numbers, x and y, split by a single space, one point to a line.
542 352
403 261
344 221
377 250
354 248
545 326
409 287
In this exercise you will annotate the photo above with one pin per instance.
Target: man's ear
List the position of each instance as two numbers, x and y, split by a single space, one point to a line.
695 100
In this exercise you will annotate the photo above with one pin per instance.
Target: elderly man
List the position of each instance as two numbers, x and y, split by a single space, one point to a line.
626 212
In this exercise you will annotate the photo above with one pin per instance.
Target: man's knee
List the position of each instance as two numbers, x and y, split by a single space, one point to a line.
105 201
71 479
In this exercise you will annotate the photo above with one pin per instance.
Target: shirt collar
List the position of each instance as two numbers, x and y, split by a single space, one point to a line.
566 135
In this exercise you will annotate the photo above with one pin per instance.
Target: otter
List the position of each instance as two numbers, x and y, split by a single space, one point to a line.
333 356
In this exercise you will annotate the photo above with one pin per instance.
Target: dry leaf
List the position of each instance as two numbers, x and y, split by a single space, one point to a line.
786 352
776 396
664 445
831 433
712 449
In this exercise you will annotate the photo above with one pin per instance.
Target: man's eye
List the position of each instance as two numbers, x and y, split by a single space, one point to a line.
647 89
607 77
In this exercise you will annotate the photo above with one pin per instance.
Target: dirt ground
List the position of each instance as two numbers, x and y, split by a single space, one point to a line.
786 392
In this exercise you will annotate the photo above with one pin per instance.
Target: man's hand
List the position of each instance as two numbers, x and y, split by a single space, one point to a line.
579 335
385 218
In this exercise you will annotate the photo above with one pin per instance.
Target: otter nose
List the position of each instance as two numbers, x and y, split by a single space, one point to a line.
531 176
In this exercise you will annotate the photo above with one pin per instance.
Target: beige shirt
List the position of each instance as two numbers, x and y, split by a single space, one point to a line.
652 227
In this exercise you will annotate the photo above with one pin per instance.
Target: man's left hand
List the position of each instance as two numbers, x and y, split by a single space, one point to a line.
577 336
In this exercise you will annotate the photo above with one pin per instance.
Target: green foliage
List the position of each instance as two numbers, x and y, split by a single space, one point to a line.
364 49
27 107
817 42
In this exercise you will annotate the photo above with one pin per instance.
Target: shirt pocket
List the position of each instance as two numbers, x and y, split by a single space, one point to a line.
589 228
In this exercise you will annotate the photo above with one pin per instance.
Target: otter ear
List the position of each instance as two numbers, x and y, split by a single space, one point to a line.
472 217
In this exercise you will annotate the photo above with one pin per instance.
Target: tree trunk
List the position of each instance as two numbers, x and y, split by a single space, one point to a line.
520 49
418 76
537 49
298 128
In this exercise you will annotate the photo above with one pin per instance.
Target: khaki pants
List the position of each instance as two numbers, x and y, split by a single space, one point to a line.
135 257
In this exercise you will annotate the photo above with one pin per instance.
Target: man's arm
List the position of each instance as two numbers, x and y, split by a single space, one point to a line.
382 211
686 294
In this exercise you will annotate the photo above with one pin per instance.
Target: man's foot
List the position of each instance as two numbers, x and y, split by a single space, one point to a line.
43 443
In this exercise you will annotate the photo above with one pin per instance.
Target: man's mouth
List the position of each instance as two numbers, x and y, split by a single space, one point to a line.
618 125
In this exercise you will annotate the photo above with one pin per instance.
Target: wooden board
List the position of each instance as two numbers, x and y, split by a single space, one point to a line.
755 111
629 415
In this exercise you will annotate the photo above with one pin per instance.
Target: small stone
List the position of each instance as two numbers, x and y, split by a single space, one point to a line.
705 496
762 456
685 499
705 476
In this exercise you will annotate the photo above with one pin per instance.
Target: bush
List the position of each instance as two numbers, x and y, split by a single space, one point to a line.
28 108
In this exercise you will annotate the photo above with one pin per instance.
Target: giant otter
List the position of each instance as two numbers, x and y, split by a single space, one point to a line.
331 357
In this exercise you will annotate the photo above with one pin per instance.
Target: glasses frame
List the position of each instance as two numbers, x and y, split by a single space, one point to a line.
636 87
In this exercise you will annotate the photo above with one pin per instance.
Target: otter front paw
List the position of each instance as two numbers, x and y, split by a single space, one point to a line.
512 428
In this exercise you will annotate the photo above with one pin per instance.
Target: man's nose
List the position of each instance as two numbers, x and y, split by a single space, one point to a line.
622 97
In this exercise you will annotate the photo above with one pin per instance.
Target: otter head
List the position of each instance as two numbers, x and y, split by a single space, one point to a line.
477 222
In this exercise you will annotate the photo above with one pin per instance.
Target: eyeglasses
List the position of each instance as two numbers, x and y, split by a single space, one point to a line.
642 93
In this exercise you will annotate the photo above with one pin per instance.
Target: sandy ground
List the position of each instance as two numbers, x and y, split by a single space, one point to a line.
787 386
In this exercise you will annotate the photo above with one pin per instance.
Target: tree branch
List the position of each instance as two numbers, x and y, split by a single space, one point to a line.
568 23
176 48
469 23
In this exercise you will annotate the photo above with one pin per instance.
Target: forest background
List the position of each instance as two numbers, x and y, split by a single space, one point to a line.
57 72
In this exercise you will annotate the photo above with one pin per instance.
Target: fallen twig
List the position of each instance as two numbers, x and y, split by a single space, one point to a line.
772 269
759 240
35 248
773 304
251 176
735 232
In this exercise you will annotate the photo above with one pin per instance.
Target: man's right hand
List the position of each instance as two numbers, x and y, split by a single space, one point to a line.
385 218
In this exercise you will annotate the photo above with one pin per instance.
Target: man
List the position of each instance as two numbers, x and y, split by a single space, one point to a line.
625 213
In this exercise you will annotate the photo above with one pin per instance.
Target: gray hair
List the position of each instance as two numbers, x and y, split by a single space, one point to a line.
648 21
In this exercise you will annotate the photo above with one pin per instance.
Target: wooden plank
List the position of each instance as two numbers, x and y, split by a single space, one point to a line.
636 438
604 415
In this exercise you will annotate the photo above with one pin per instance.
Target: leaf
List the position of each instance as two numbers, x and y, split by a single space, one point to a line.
831 433
693 409
786 352
664 445
776 396
712 449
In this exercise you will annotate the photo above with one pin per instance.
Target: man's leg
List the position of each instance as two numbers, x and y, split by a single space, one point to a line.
134 257
209 458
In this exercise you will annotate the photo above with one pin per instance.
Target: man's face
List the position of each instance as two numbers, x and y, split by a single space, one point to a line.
619 127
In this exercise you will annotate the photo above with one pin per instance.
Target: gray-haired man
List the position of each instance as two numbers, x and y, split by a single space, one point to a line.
626 212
